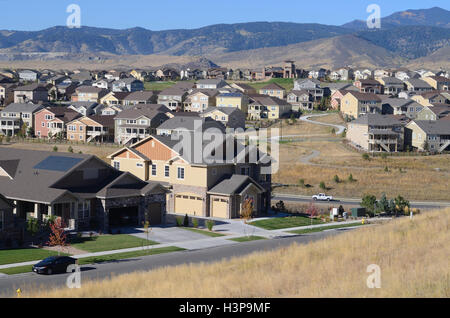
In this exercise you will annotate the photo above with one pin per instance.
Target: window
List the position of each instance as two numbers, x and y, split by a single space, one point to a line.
166 171
117 165
180 173
140 165
153 170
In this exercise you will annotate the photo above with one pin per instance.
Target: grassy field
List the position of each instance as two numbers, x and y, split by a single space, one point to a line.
286 83
285 223
412 256
157 86
108 243
24 255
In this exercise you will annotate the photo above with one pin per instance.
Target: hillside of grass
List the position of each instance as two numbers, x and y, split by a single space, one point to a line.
412 256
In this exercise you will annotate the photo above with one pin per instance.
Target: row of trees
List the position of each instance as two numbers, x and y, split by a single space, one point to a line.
396 206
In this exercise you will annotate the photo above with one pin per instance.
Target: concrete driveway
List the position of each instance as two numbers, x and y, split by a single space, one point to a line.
165 234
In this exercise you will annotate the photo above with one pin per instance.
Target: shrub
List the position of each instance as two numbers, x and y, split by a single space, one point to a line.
301 182
350 178
336 179
365 156
195 223
210 224
55 149
179 221
70 149
384 156
186 221
386 169
322 185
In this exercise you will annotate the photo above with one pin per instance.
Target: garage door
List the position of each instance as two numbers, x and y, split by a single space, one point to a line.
188 204
123 216
220 208
154 210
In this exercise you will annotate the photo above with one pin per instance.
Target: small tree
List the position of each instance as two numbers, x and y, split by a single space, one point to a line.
57 236
312 211
383 204
186 221
210 225
400 204
70 149
322 185
247 213
55 149
147 229
336 179
369 202
301 183
350 178
33 227
365 156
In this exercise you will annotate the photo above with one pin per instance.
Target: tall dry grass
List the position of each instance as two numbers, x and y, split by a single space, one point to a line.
413 257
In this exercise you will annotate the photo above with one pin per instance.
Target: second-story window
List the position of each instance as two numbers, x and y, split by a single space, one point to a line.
167 171
153 170
180 173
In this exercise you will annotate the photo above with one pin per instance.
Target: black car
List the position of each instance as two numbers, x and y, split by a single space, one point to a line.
53 264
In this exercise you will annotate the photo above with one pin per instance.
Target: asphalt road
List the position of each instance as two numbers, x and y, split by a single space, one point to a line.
355 202
9 284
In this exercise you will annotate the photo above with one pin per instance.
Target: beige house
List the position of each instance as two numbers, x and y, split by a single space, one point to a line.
34 93
266 107
234 100
434 112
376 133
273 90
88 94
440 83
114 98
200 99
91 128
196 188
229 116
355 104
428 135
429 98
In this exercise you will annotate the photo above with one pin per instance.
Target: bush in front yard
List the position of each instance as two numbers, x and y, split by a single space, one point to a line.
195 223
210 224
179 221
186 221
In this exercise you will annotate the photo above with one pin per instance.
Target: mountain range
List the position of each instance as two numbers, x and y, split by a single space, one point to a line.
404 37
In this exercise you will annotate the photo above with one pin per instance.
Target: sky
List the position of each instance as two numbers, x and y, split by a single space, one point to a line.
32 15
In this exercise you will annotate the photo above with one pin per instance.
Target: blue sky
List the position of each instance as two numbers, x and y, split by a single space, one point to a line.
174 14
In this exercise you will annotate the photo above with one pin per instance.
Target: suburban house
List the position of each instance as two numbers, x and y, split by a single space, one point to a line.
7 93
6 212
244 88
139 122
143 97
33 93
127 85
266 107
433 112
429 98
28 76
355 104
363 74
88 94
106 110
234 100
82 190
401 106
312 86
138 74
211 84
172 98
428 135
103 83
230 117
273 90
300 100
114 98
187 122
369 86
200 99
50 121
391 85
198 187
376 133
84 108
439 83
342 74
15 116
417 85
91 128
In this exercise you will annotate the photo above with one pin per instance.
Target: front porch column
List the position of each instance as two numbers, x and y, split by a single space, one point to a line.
37 212
50 210
15 208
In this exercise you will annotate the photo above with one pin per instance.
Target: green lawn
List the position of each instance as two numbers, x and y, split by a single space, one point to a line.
247 238
24 255
286 83
100 259
284 223
157 86
204 232
108 242
324 228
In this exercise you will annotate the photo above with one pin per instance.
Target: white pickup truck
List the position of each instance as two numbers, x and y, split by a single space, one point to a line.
322 197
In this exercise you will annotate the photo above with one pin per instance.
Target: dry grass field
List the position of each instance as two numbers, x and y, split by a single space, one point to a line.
412 256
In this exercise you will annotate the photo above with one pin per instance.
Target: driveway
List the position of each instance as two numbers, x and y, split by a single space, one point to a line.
165 234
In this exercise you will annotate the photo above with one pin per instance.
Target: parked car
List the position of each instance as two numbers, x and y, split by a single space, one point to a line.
322 197
53 264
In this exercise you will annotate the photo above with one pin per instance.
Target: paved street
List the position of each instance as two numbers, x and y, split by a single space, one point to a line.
8 284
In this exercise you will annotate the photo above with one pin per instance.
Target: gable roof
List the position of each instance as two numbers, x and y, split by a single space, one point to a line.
147 110
364 96
234 184
273 86
434 127
22 108
377 120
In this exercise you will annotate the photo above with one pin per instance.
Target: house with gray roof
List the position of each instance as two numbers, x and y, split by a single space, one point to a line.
127 85
179 124
141 97
417 85
139 122
230 117
82 190
401 106
15 116
214 83
172 97
376 133
33 93
428 135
